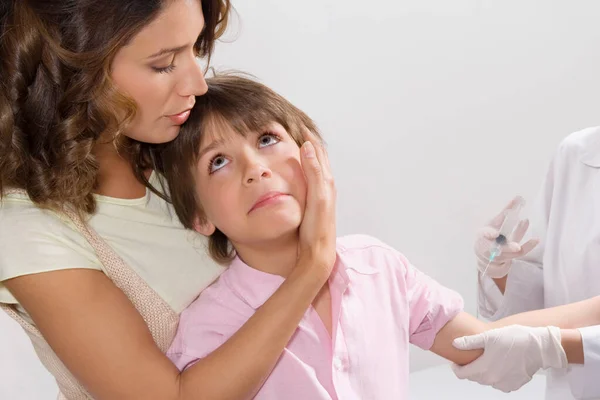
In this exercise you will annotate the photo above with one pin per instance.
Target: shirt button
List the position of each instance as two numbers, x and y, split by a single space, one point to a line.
338 363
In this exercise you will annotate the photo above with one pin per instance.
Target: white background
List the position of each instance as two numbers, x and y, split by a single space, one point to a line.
436 113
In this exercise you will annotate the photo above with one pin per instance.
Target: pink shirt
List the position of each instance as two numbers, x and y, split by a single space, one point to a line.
380 304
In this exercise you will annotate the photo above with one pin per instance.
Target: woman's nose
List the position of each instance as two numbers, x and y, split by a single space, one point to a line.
194 82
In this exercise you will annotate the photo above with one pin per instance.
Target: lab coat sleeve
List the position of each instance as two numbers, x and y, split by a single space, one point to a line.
584 379
525 283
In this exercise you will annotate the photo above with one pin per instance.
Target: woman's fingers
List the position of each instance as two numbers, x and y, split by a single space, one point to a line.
520 231
312 170
317 230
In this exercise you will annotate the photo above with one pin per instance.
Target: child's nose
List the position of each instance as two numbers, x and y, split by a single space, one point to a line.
256 172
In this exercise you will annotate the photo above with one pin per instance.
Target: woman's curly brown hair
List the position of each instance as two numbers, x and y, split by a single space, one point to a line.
56 95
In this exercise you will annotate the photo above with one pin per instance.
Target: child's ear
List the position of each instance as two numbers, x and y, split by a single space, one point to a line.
205 228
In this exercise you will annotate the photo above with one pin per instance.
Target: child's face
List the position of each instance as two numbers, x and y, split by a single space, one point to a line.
251 188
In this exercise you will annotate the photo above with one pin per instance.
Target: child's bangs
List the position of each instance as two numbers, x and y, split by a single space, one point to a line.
218 123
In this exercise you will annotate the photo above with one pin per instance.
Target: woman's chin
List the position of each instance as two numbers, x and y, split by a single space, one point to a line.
156 136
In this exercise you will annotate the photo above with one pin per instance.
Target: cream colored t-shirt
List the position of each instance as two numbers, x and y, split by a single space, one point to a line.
145 232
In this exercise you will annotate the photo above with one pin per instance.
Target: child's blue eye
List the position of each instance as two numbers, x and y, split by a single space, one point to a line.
217 163
268 139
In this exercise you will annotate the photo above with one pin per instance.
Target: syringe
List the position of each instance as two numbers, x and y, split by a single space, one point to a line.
511 218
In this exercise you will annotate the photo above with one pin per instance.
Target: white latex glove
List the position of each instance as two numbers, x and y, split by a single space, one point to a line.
512 355
512 249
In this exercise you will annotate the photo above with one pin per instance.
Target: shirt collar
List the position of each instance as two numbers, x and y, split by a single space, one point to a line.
255 287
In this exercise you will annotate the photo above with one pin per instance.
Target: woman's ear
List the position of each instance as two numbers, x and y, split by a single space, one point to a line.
205 228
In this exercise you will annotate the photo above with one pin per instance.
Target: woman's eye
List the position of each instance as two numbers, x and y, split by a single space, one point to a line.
217 163
268 139
164 70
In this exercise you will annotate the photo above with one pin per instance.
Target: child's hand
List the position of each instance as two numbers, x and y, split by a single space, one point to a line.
317 231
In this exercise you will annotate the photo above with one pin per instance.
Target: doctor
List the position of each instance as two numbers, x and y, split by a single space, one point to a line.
560 264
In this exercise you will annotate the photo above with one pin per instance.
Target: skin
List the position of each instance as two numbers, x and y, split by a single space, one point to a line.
233 174
569 317
160 71
235 171
89 322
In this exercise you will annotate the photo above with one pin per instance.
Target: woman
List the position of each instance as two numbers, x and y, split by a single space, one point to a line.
564 268
88 88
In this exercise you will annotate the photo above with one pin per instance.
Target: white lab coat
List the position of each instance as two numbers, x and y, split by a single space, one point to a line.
565 266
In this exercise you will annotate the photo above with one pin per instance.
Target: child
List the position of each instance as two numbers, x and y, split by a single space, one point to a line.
240 150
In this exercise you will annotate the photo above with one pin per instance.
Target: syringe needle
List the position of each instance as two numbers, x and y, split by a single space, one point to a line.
486 268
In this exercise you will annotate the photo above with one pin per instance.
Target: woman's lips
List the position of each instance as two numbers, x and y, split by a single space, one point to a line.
179 119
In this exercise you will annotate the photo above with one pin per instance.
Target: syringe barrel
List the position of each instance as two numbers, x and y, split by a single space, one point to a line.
511 217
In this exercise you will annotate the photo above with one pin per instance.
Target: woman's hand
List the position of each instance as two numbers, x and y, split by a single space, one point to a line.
317 244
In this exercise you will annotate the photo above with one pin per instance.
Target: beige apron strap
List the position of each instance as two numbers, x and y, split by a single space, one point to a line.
68 387
161 319
10 310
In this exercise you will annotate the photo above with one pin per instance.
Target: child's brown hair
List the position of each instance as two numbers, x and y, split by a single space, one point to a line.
231 101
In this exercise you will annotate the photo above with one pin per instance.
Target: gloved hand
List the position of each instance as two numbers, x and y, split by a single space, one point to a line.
512 355
512 249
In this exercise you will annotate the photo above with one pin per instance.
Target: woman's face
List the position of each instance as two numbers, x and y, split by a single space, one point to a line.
160 71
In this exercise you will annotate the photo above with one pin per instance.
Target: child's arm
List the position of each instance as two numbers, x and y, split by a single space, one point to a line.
432 306
462 325
568 317
523 350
